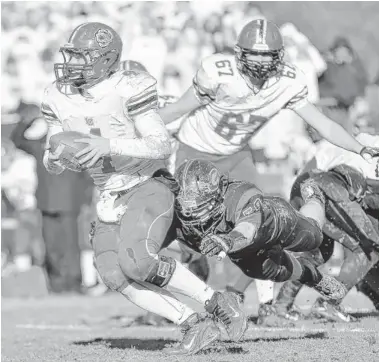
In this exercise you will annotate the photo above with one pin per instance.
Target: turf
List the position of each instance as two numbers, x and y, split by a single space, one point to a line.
77 328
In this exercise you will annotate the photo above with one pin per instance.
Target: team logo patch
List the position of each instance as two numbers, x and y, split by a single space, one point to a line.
104 37
89 121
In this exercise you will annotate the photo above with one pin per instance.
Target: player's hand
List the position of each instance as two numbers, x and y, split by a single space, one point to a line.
97 148
215 244
369 153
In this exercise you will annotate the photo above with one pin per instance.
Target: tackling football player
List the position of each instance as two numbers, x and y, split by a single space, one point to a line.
232 97
257 232
125 156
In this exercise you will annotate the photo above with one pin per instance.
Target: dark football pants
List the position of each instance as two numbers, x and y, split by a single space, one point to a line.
278 263
62 258
128 251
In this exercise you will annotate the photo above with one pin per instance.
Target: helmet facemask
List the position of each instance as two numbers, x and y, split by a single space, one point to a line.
89 67
202 216
258 70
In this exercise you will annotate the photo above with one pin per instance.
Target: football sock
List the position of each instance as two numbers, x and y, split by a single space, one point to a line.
157 300
265 290
185 282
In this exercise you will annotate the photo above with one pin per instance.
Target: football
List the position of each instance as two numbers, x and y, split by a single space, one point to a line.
70 149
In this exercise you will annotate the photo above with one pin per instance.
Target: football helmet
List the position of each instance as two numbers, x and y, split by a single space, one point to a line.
91 55
259 37
132 65
199 204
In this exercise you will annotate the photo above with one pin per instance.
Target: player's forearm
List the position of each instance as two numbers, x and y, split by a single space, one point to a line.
150 147
242 236
187 103
336 134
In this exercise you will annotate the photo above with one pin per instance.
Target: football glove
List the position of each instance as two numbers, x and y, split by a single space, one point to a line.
215 244
368 153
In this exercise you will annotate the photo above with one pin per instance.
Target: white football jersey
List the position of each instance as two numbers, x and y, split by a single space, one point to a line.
329 156
232 112
109 114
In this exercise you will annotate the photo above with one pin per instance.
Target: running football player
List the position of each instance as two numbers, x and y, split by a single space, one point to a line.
257 232
232 97
118 110
351 188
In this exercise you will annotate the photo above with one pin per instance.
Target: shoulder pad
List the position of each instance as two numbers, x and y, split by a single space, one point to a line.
134 83
48 108
217 65
294 75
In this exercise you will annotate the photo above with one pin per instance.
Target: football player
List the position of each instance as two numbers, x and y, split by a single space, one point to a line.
232 97
218 216
351 188
118 110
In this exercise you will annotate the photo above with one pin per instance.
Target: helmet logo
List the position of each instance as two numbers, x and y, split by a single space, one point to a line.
104 37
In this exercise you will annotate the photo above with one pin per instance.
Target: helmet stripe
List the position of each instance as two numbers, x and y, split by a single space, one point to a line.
264 31
258 34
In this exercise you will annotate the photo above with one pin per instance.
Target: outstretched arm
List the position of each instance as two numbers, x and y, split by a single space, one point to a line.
187 103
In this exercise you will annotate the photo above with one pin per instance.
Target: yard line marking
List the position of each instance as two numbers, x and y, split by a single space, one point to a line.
52 326
169 328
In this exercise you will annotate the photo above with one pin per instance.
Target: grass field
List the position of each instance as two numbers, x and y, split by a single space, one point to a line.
77 328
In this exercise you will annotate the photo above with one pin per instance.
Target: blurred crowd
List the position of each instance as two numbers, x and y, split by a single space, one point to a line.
170 39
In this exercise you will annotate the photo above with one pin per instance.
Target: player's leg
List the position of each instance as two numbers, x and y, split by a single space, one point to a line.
106 241
279 265
143 232
288 292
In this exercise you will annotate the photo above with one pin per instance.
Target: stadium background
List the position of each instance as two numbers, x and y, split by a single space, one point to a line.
170 39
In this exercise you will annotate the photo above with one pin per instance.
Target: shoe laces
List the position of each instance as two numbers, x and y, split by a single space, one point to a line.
222 315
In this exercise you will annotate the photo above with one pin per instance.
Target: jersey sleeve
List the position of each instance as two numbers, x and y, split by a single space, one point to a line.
205 81
139 91
248 208
48 109
298 91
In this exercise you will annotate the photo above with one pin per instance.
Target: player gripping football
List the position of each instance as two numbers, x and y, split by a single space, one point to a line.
123 147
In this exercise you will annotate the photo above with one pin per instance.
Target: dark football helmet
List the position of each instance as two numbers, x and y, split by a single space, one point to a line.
259 37
91 55
132 65
199 204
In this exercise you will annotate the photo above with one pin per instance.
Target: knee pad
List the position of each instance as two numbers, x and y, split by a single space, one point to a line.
161 272
147 267
110 272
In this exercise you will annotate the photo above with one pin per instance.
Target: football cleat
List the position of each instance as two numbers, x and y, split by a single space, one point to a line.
334 313
198 333
331 289
226 307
